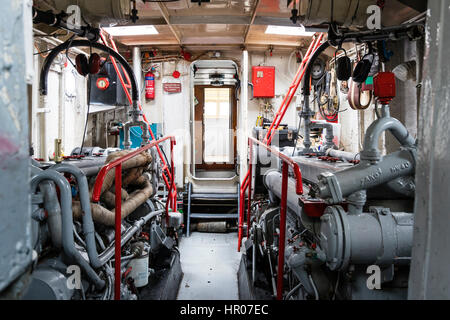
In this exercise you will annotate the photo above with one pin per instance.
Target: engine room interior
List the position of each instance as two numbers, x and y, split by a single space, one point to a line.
193 150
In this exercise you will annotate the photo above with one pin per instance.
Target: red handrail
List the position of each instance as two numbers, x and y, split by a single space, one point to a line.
128 85
117 164
247 184
292 89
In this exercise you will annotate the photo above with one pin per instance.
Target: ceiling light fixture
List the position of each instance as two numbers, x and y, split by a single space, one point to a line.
131 30
288 31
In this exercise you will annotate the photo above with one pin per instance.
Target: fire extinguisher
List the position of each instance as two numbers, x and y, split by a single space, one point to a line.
149 85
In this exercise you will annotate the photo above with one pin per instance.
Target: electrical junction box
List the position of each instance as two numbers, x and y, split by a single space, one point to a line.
263 79
106 89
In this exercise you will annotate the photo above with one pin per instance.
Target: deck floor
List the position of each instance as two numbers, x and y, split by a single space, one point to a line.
210 262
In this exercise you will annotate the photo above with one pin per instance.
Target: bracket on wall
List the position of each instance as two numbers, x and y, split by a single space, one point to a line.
200 1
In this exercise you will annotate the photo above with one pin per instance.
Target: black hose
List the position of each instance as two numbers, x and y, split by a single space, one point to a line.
316 54
86 43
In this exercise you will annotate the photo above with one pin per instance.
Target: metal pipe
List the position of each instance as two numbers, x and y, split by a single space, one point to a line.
344 155
364 175
273 180
88 224
106 255
370 150
68 243
329 135
137 66
51 205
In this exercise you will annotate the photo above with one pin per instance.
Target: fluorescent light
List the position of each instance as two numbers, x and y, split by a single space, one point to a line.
288 31
132 30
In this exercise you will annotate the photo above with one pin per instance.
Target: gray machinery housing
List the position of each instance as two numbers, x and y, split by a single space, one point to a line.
366 221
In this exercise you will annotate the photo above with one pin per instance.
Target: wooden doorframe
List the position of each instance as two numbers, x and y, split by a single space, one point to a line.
199 93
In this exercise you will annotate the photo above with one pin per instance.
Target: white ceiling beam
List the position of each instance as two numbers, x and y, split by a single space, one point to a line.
247 28
166 16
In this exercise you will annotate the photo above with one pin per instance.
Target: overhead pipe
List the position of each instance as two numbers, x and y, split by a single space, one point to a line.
68 242
55 20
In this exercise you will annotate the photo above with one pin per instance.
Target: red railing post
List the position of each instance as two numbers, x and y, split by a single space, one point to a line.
282 236
242 208
249 186
118 232
171 199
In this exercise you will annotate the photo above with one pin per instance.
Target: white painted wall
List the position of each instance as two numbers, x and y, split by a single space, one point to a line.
60 114
67 112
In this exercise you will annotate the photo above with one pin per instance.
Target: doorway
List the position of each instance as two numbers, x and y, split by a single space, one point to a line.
215 118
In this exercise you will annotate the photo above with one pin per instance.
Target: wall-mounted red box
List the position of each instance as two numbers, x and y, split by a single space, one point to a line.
263 79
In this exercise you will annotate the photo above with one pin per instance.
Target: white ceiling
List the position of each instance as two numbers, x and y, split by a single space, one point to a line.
226 23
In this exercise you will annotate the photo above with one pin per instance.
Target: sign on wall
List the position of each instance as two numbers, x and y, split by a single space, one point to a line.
172 87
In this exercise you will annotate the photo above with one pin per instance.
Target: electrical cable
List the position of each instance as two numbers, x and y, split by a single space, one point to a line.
87 115
316 293
290 293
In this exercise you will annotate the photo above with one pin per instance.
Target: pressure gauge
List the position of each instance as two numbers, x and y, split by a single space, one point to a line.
318 69
102 83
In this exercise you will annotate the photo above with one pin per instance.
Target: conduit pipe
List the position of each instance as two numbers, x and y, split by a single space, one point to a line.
365 175
344 155
68 243
373 133
88 224
106 255
51 205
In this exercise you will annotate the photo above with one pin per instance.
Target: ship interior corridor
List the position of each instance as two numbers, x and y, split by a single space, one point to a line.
224 150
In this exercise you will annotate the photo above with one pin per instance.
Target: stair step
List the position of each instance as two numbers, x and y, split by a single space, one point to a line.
214 196
214 215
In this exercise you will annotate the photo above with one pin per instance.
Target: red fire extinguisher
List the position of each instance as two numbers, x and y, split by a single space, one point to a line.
149 85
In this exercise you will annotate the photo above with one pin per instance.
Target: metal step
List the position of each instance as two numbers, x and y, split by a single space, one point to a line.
215 196
211 196
214 215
